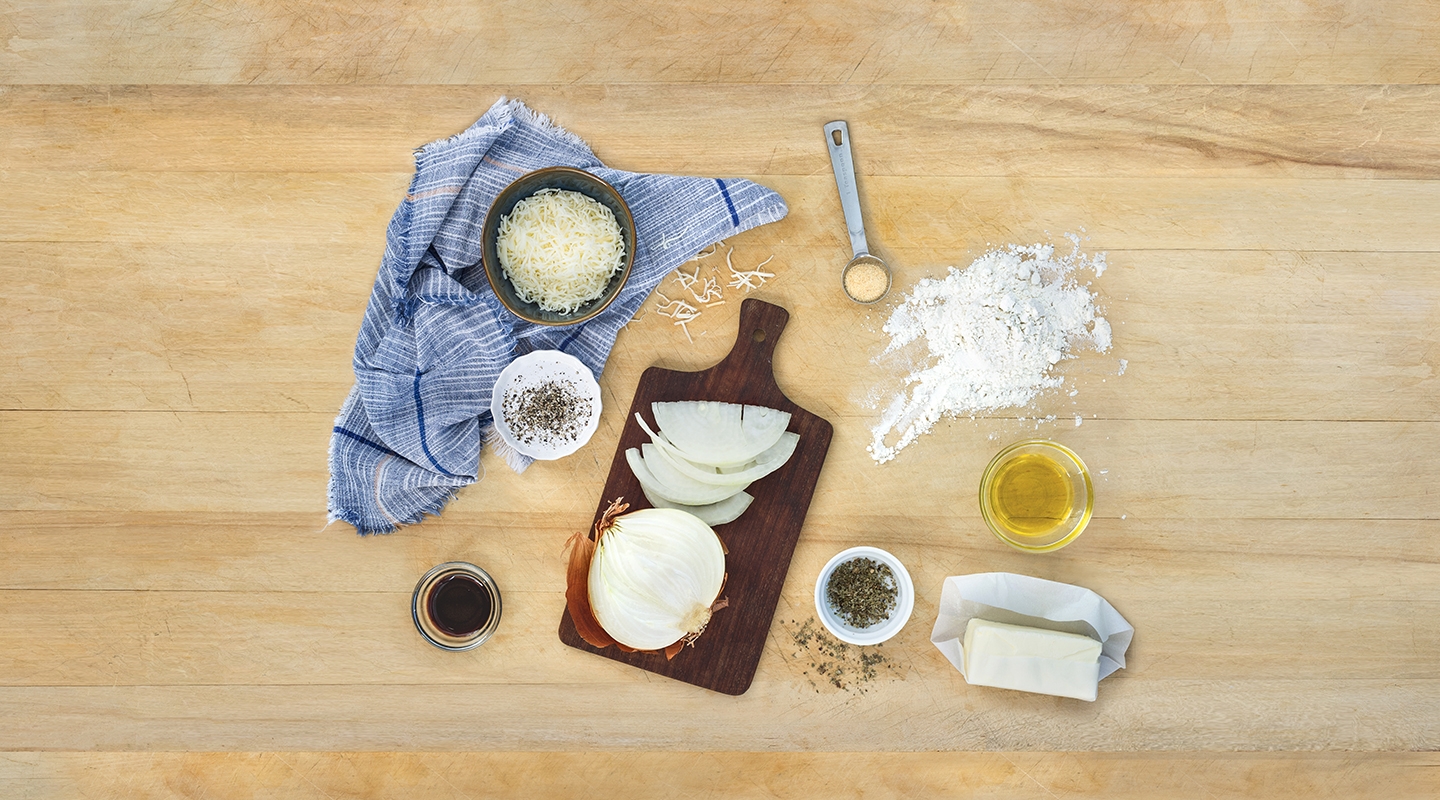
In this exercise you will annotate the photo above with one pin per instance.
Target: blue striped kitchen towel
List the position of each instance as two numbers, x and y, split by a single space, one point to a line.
434 337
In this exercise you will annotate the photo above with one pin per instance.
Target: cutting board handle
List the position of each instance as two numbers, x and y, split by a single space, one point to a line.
760 327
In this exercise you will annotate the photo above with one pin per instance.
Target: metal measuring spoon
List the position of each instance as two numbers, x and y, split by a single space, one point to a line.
866 278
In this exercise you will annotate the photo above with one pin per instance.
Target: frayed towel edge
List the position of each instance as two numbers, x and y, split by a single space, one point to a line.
506 109
512 457
334 513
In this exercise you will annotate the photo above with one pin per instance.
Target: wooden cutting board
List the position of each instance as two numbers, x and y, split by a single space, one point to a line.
762 540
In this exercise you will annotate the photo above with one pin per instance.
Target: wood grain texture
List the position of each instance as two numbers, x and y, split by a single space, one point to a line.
194 208
1004 776
255 552
269 331
1167 213
209 463
1006 131
1043 42
154 590
916 709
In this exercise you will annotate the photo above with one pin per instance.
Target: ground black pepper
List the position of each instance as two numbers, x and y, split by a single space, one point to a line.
549 413
862 591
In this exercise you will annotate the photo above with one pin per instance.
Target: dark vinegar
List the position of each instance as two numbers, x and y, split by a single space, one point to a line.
459 605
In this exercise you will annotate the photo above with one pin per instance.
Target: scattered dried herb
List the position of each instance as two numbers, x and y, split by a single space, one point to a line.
551 413
835 663
862 591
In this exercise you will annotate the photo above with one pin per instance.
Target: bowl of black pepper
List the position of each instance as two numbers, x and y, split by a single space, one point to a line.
864 596
546 404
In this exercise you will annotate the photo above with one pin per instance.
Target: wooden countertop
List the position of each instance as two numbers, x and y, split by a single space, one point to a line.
194 208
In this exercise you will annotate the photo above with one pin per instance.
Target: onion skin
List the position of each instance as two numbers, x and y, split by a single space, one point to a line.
577 593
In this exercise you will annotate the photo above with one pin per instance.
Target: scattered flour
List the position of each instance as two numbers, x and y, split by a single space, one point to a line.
993 334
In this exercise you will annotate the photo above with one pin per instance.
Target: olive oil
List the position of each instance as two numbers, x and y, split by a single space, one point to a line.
1031 495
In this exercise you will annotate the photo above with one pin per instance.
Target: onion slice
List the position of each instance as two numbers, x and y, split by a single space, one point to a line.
720 434
686 494
664 469
765 463
712 514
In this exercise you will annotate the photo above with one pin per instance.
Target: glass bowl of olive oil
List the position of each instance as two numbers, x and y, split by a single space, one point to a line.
1036 496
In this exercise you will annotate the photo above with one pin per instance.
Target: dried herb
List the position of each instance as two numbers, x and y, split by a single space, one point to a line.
862 591
842 666
551 413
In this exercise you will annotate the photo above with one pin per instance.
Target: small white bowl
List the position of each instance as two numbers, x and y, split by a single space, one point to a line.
543 366
880 631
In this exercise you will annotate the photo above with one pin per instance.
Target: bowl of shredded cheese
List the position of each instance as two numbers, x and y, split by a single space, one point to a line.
559 244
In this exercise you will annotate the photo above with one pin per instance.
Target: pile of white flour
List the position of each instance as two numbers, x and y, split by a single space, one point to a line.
994 333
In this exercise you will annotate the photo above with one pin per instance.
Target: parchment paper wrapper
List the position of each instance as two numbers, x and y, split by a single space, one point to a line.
1023 600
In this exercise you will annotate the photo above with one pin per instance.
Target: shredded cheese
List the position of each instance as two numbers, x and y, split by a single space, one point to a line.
559 249
678 310
709 288
703 254
749 280
706 289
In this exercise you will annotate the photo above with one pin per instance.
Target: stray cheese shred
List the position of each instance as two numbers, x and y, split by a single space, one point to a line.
559 249
706 289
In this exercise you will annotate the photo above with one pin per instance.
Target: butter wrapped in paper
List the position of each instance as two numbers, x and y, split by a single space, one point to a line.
1040 663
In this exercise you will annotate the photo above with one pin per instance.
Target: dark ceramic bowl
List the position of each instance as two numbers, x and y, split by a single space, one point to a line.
570 179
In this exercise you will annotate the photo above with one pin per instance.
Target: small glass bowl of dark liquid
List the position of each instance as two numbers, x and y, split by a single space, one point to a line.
456 606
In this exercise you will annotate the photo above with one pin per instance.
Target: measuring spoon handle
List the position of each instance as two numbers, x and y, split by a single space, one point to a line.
837 140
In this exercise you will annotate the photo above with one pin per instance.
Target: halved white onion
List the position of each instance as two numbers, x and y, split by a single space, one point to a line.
654 577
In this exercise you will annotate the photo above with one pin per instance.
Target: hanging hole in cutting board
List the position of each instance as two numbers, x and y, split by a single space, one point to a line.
758 335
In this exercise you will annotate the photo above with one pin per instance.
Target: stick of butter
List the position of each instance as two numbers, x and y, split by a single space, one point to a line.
1031 659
